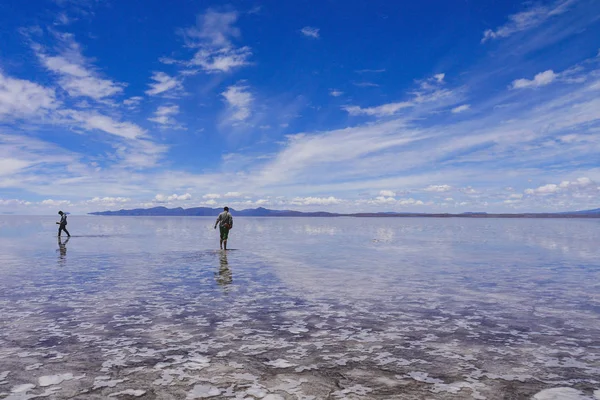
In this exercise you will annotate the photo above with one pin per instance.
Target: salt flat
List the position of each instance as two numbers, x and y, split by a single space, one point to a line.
301 308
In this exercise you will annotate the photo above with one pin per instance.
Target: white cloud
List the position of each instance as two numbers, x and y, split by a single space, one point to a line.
221 60
164 84
14 202
55 203
133 102
411 201
430 92
383 200
310 31
239 100
379 111
232 194
365 84
161 198
364 71
92 120
579 185
461 108
213 35
335 93
541 79
211 196
546 189
77 79
109 200
210 202
528 19
21 98
163 115
387 193
321 201
438 188
217 28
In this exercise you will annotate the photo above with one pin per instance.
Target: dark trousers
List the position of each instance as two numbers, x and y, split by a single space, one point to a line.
63 228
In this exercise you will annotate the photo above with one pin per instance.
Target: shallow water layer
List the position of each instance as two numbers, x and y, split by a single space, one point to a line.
300 308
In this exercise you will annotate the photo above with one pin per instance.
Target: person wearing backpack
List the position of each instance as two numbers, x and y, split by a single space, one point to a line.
62 225
225 222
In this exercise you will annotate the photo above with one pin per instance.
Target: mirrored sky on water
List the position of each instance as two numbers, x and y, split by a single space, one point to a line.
300 308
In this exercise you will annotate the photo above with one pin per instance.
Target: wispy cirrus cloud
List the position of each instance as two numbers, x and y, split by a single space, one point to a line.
461 108
165 85
21 98
541 79
164 115
76 74
528 19
310 31
213 37
239 100
378 111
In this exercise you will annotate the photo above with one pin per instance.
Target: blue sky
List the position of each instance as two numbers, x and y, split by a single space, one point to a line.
312 105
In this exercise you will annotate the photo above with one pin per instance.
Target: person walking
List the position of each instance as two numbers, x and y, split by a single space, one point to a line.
62 225
225 222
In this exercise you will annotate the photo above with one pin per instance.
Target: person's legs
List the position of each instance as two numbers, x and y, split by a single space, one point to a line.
224 233
63 228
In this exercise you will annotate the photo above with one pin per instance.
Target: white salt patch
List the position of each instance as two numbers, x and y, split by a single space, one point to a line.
128 392
203 391
29 354
280 363
273 397
356 389
101 381
563 393
423 377
244 377
50 391
22 388
597 394
49 380
33 366
3 375
256 391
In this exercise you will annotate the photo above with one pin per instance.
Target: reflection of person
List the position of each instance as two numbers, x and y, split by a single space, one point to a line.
225 222
62 248
224 277
62 225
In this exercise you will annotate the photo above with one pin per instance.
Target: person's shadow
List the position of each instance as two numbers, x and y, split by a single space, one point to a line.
224 277
62 249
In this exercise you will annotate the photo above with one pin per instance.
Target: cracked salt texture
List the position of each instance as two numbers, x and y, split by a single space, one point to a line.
128 392
464 309
22 388
563 393
203 392
50 380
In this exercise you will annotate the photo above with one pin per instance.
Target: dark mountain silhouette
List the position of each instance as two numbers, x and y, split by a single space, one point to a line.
265 212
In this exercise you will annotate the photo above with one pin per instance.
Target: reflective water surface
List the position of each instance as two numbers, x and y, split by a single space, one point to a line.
300 308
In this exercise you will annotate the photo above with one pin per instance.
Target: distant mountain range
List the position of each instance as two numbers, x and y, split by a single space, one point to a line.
264 212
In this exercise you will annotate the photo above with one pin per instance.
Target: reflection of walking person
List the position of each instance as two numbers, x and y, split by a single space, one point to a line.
225 222
62 248
224 277
62 225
